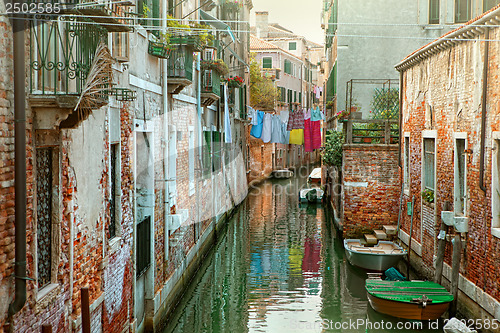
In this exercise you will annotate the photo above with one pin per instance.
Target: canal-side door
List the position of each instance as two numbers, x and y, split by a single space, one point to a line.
144 216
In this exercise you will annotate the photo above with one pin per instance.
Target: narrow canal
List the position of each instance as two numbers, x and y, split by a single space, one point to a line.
280 267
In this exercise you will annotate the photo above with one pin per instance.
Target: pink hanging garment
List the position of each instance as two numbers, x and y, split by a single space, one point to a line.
307 136
315 134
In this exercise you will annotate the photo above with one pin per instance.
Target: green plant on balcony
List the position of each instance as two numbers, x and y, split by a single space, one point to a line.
428 195
233 5
332 152
329 105
217 65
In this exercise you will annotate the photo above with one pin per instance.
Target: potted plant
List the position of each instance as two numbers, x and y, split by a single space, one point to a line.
329 105
217 65
235 81
428 195
160 47
233 5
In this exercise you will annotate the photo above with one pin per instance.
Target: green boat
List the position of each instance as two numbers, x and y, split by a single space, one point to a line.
418 300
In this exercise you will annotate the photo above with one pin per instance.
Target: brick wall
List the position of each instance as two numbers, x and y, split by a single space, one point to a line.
443 93
370 188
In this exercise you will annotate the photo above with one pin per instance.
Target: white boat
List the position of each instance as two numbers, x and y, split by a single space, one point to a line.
377 258
285 173
311 195
315 176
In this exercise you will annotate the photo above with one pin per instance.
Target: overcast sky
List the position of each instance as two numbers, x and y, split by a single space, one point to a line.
302 17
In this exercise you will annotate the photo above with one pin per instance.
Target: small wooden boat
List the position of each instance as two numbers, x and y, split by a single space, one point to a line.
415 300
376 258
280 174
315 176
311 195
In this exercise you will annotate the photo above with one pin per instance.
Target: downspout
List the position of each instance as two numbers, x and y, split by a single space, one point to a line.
199 134
483 110
20 166
166 204
401 77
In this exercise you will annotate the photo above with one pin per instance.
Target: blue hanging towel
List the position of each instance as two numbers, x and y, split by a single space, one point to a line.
256 130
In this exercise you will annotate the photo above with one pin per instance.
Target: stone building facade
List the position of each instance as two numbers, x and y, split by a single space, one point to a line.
449 158
126 197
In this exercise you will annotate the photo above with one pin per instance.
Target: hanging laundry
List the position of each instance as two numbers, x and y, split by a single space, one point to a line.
297 137
285 135
307 114
316 114
252 115
227 121
276 129
267 128
318 91
307 136
296 120
256 130
315 134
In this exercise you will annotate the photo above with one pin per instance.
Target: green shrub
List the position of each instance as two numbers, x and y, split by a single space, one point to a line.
332 152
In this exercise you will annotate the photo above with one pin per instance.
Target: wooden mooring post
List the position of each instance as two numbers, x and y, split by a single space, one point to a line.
455 270
441 248
85 303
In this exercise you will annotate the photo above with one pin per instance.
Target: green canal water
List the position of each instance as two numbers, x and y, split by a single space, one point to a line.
280 267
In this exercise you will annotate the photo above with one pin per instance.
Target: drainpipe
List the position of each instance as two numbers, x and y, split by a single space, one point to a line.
483 110
20 166
166 208
400 117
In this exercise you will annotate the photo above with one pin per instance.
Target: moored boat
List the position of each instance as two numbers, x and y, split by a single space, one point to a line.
311 195
285 173
315 176
415 300
376 258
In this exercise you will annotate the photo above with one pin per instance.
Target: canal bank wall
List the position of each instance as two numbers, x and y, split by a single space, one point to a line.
223 192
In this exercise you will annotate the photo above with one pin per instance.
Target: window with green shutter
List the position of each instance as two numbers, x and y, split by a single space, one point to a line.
488 4
288 66
292 46
295 96
434 11
429 163
300 97
267 62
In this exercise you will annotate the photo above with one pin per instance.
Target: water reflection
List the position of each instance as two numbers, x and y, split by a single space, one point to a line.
280 267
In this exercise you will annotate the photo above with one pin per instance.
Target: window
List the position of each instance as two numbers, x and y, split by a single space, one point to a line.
151 9
143 246
120 46
295 97
488 4
300 97
207 152
495 186
114 176
44 188
462 10
406 164
217 151
434 11
460 177
429 162
267 62
292 46
288 67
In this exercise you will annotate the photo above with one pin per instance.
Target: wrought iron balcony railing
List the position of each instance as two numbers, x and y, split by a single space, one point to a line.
180 69
61 54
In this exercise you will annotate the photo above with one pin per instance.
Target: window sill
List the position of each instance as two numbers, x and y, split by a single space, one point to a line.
46 291
495 232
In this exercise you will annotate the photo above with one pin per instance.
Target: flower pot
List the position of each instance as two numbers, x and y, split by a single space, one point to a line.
367 140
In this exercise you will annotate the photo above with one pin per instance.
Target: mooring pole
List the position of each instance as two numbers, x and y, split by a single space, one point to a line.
411 235
455 272
441 247
84 292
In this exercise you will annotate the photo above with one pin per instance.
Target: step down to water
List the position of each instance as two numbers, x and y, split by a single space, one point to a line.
371 240
389 229
380 234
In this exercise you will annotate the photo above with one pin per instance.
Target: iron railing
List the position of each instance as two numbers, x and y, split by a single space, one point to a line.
181 63
61 54
210 82
372 131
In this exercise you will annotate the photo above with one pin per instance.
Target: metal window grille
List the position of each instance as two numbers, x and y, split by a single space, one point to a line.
143 251
461 175
44 214
429 163
114 184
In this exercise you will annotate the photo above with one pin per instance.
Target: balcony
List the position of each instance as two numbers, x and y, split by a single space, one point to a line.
187 41
62 54
114 16
271 73
210 87
180 69
159 50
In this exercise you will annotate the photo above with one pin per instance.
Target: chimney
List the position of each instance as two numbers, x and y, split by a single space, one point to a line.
262 24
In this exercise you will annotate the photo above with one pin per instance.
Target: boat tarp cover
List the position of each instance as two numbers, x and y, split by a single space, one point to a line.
406 291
